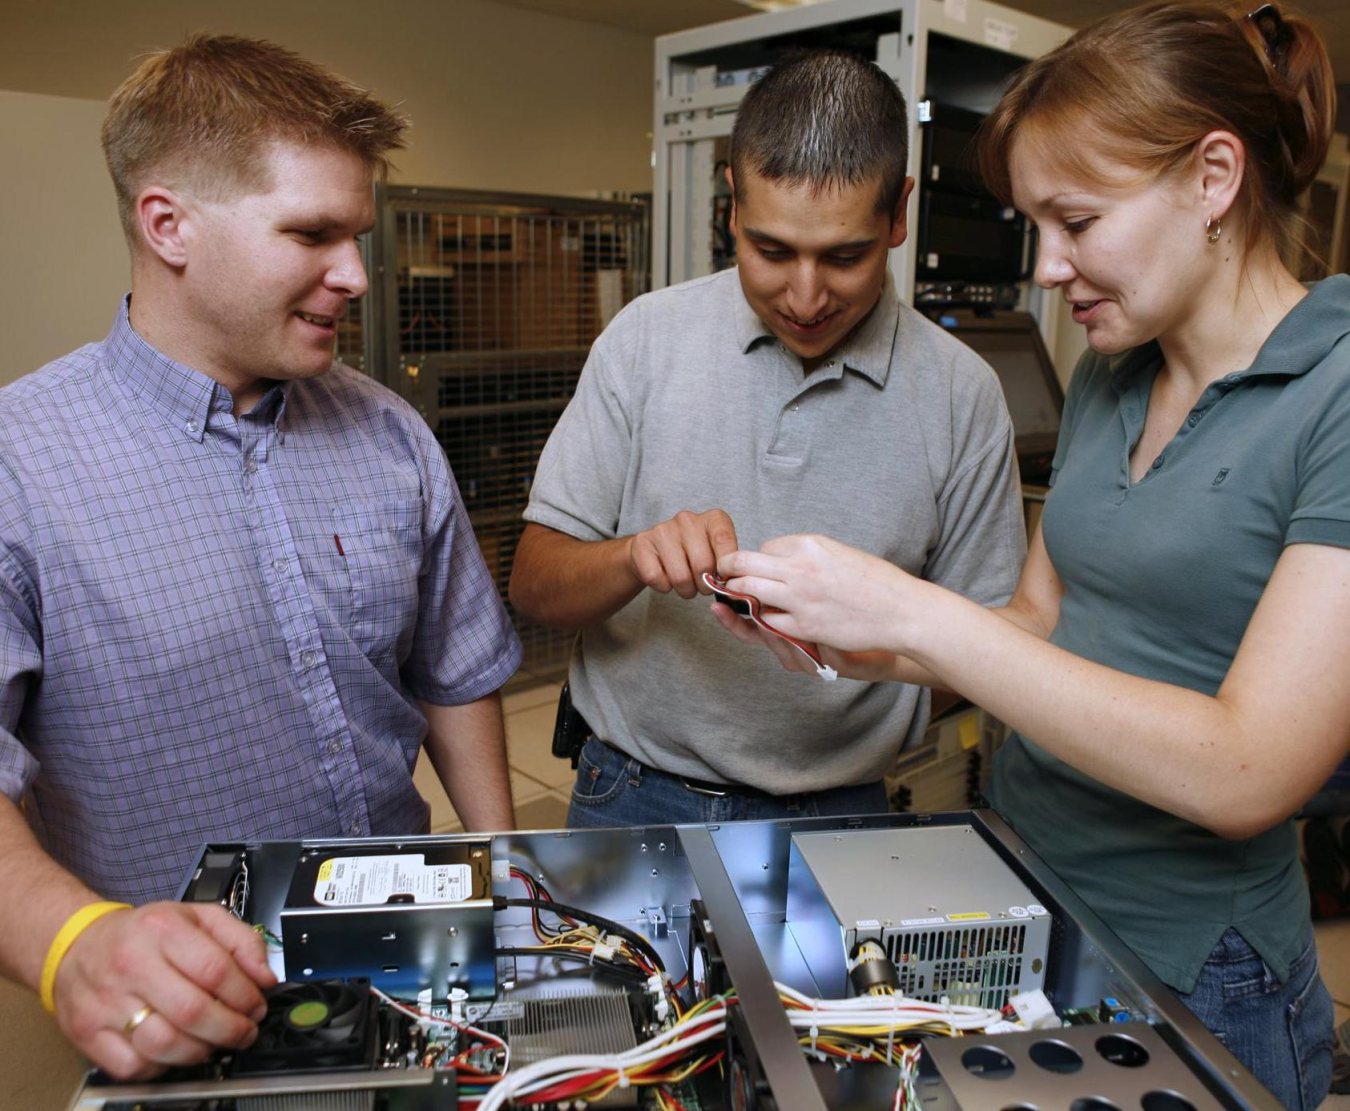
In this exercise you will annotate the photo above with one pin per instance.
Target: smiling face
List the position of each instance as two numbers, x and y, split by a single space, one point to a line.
268 274
1130 258
812 263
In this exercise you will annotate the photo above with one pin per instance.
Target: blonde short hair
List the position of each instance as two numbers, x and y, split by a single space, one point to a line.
203 114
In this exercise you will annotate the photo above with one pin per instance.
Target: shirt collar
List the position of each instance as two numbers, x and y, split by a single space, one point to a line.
186 398
867 351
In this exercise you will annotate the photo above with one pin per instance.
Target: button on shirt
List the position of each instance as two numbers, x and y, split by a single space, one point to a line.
215 627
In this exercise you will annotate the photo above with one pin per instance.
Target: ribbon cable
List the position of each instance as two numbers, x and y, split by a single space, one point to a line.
748 606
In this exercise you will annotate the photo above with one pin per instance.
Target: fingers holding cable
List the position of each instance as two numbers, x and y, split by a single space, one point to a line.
673 555
747 632
826 592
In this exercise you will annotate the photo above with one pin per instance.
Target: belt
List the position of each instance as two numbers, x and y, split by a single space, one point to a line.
707 787
722 790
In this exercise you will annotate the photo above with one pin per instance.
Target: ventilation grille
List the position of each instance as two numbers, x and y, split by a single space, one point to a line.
310 1101
976 966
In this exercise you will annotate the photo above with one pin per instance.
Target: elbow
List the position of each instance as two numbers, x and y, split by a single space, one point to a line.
1241 819
522 598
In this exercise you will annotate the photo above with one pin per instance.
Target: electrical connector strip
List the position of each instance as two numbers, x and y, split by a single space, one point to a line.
748 606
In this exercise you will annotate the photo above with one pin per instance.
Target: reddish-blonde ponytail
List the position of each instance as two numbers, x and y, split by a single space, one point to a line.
1141 88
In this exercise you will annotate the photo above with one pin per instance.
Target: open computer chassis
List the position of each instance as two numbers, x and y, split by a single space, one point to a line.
889 962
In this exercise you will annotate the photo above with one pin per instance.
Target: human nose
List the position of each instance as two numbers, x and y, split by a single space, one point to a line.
347 272
806 293
1052 264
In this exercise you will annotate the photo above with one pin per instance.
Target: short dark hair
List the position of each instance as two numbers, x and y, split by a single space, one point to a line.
824 118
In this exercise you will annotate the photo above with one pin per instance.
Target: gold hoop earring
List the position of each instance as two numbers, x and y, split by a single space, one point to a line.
1214 228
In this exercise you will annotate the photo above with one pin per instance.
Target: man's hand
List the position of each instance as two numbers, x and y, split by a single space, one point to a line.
674 554
198 969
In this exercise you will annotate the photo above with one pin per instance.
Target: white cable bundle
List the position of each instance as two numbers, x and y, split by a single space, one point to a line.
884 1010
544 1074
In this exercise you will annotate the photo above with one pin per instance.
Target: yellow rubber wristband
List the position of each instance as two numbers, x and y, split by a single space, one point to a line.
65 937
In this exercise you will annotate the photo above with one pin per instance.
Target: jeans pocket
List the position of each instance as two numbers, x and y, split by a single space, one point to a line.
602 775
1310 1017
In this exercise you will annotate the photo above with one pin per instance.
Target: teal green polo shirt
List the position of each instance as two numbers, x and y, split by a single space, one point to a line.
1160 580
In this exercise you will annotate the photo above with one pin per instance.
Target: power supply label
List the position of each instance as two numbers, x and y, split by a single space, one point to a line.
371 881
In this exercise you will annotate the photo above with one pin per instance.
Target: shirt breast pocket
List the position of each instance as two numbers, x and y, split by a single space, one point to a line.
381 546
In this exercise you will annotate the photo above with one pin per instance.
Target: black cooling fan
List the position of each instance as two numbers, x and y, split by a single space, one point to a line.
326 1024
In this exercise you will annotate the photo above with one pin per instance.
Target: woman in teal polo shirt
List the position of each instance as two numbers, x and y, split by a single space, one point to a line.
1176 659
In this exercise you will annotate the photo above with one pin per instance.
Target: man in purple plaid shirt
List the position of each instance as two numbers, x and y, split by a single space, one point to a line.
239 591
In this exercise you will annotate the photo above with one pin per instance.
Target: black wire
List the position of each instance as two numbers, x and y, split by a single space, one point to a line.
636 940
626 972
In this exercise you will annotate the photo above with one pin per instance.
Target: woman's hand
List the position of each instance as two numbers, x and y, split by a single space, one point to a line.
870 667
831 594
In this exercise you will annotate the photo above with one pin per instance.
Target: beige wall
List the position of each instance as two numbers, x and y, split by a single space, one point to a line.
65 262
500 98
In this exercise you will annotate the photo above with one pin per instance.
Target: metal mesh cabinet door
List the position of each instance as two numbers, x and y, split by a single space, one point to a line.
483 308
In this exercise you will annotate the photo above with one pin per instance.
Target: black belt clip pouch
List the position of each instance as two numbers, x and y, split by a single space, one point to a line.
570 729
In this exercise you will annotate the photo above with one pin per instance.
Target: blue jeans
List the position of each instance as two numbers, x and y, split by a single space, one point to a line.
614 790
1281 1032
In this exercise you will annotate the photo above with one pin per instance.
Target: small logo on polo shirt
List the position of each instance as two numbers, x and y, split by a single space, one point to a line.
1218 478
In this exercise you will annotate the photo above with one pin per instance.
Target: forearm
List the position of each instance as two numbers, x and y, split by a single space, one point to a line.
40 896
467 747
905 669
1174 748
567 583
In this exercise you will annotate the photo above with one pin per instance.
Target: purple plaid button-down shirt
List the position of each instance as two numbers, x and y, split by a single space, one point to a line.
215 628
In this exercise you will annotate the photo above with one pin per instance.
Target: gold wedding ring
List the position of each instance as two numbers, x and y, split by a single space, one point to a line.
134 1022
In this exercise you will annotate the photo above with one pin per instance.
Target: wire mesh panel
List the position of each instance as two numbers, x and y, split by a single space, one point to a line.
485 310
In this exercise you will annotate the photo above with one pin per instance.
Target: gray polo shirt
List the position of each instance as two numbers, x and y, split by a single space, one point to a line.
1160 580
900 445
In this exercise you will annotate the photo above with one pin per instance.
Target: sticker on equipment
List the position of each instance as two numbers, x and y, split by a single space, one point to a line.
371 881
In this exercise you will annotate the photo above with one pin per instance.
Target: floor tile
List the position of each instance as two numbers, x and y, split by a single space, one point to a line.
546 812
529 741
39 1070
443 817
530 697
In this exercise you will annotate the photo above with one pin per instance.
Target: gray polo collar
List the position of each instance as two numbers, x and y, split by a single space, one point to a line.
868 351
1299 342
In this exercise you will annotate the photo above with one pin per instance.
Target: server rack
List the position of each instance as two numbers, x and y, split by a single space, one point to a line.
481 313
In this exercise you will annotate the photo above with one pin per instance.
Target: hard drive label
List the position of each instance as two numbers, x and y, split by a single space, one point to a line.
368 881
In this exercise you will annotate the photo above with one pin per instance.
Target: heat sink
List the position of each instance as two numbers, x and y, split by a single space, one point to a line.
556 1024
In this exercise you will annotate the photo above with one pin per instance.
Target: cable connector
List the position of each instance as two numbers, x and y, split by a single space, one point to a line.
602 952
656 985
458 997
1035 1011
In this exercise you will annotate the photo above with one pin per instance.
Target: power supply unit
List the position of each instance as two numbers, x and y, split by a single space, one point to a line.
952 917
405 916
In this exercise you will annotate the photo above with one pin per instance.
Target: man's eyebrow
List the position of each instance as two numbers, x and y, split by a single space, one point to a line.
851 245
323 224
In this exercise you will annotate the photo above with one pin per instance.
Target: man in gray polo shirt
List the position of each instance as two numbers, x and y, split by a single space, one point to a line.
794 394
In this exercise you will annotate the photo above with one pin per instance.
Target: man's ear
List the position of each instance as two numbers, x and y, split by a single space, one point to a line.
900 217
731 218
161 214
